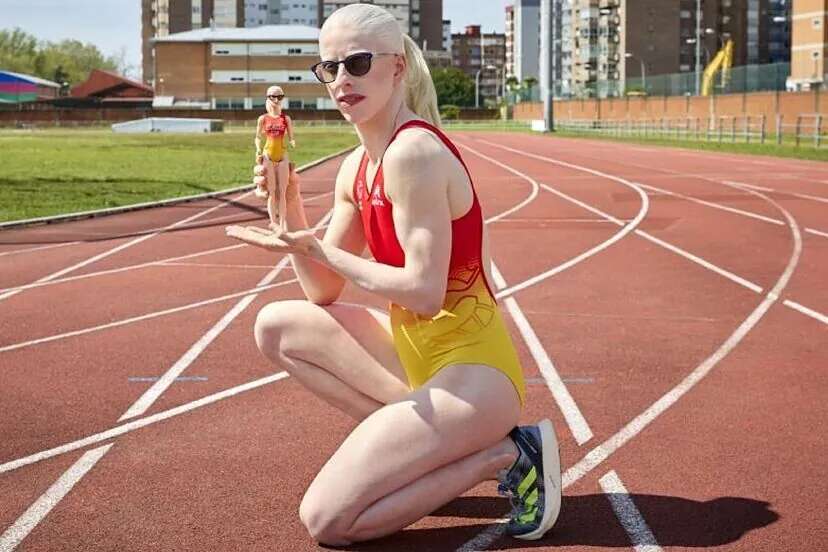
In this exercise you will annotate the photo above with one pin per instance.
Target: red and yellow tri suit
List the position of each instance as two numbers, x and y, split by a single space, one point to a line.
275 129
469 328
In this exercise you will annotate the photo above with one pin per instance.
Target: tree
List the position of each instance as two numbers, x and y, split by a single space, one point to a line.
512 83
69 60
453 87
529 83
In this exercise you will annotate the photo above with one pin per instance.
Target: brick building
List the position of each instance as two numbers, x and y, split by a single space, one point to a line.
232 68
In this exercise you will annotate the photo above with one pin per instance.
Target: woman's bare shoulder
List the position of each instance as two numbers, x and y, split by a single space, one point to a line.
415 146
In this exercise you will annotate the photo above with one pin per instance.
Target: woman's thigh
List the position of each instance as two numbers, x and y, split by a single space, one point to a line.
463 409
351 342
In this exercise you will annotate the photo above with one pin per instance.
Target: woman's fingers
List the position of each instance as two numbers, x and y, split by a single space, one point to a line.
259 170
262 231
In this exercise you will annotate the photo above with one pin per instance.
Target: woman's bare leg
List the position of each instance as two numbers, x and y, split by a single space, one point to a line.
341 352
412 456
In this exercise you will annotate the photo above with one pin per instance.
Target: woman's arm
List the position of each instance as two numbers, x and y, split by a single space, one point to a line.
320 284
422 220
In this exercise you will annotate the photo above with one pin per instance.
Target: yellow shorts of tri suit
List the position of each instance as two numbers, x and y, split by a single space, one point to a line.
275 149
468 330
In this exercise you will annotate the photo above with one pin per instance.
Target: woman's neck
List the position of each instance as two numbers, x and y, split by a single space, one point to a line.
274 112
375 134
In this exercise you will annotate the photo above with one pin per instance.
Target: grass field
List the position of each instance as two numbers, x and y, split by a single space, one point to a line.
51 172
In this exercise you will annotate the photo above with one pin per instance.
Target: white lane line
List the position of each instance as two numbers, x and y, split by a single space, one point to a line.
632 521
157 389
636 425
603 451
566 403
715 205
645 205
151 395
699 261
125 268
806 311
217 265
782 192
20 529
572 414
142 317
142 265
686 254
123 246
40 248
138 424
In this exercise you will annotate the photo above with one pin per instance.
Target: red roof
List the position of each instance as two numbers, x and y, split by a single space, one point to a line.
104 84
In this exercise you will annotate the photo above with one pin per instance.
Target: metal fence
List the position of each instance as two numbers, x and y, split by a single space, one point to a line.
744 78
806 130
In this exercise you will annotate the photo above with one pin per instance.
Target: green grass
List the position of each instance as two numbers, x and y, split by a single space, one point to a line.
52 172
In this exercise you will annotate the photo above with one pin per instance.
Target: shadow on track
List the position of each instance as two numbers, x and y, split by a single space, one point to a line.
588 520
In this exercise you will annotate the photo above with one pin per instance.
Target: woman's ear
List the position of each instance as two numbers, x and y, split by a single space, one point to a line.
399 66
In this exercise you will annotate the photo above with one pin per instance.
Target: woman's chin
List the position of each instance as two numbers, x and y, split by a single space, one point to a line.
355 116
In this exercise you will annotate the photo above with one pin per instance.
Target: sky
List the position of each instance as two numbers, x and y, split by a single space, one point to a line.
115 25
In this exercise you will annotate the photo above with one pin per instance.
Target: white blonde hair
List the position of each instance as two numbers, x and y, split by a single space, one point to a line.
420 95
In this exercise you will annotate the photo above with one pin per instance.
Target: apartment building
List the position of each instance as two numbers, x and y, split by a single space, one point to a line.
422 20
231 68
809 44
160 18
598 44
282 12
473 51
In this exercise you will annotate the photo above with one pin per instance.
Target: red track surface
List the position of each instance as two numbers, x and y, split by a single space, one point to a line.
733 458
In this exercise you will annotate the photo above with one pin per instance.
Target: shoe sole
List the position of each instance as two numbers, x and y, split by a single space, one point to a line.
551 481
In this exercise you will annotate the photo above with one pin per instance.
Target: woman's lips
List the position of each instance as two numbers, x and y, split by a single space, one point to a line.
350 100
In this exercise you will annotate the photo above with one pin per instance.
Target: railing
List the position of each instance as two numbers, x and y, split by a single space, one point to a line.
808 129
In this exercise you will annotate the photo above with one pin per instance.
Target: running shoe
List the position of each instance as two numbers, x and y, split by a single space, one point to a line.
533 483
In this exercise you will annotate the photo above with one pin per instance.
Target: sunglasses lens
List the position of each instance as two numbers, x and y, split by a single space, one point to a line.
326 71
358 64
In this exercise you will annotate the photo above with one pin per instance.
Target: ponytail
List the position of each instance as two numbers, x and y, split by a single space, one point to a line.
420 95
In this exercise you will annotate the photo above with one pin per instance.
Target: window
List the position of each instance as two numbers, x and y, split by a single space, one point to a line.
817 23
295 104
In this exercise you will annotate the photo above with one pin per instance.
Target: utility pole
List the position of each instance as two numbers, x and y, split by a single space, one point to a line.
547 81
698 47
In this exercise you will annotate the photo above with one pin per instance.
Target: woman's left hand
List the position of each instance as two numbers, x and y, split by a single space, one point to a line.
293 144
300 242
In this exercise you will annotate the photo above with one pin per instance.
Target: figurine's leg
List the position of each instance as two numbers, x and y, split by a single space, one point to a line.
273 196
282 174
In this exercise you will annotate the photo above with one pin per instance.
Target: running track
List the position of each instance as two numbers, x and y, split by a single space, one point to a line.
669 306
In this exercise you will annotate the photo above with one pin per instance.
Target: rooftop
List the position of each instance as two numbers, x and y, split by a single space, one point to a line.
245 34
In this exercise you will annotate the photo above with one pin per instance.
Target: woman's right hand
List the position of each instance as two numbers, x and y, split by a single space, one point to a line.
265 172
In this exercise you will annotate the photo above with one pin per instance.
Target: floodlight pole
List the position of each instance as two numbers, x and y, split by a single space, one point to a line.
546 76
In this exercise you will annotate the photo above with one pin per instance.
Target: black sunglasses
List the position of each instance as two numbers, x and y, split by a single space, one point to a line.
356 65
275 96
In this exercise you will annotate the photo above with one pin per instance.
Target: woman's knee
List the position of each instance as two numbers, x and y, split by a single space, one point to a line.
276 323
322 524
